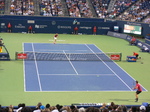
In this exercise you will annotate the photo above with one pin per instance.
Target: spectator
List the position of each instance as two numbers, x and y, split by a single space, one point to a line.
73 8
37 108
82 109
136 12
133 41
133 109
100 7
10 108
51 8
20 106
92 109
73 108
103 107
147 20
22 7
142 108
47 109
84 9
67 108
2 6
26 109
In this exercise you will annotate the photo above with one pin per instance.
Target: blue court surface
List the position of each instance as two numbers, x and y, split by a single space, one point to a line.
73 75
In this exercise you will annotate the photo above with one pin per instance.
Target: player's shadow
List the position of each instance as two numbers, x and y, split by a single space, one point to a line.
131 100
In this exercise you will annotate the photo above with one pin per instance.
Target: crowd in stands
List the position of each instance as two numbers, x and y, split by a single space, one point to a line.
72 108
136 12
84 9
2 6
51 8
73 8
119 7
78 8
101 7
128 10
147 20
22 7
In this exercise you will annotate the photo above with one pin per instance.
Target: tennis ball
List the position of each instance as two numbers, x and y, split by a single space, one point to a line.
97 75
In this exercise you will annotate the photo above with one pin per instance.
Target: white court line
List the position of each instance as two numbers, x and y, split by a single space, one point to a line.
37 69
109 68
61 50
123 70
57 40
24 70
66 91
71 64
82 74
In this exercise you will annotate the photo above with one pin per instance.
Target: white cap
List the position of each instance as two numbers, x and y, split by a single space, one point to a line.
142 107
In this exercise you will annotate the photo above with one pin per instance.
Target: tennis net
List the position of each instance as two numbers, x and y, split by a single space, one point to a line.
53 56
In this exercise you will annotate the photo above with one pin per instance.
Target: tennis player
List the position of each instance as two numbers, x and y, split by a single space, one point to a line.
139 90
55 38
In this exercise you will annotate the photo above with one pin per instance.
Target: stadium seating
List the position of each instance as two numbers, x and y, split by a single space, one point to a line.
73 8
78 8
137 12
101 7
51 8
19 7
119 7
2 6
128 10
147 20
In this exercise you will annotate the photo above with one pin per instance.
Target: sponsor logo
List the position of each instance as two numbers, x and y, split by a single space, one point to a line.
115 57
40 26
19 26
30 21
63 27
3 25
21 56
117 35
3 57
130 23
84 27
53 22
105 28
140 44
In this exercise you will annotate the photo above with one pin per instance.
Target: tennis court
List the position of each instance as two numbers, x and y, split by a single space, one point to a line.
73 75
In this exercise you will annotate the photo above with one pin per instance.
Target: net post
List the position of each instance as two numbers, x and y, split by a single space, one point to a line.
120 56
16 55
